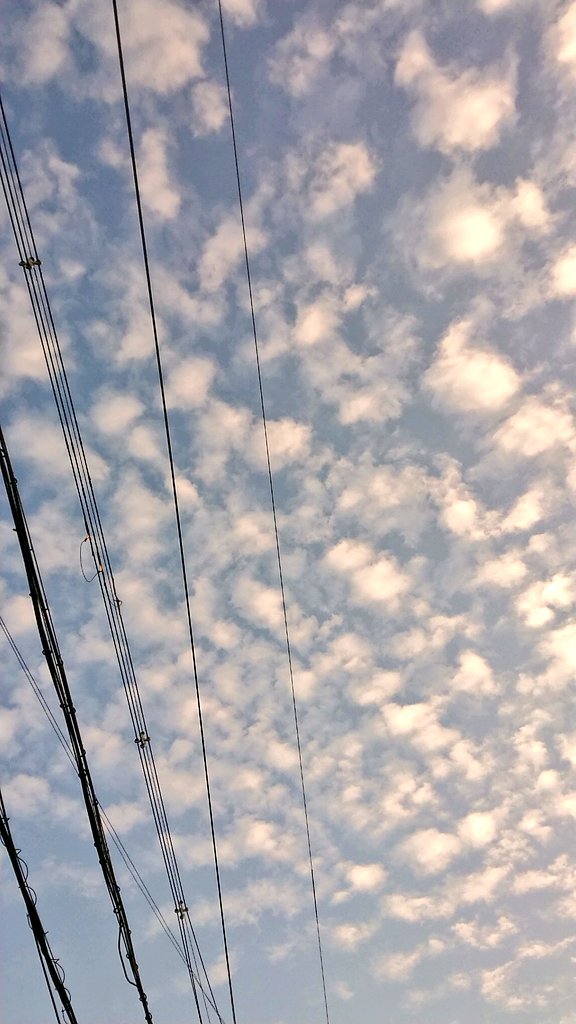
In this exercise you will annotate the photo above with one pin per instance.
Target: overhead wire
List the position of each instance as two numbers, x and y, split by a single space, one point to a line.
53 657
32 268
175 500
51 968
273 506
116 839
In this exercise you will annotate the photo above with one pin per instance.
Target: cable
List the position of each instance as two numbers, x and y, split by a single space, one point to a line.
174 494
32 269
51 651
273 504
89 579
53 973
129 863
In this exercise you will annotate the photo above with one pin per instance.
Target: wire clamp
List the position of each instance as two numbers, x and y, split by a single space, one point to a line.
30 262
142 740
181 910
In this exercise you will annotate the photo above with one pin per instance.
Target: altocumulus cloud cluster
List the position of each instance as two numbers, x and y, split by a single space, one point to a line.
409 172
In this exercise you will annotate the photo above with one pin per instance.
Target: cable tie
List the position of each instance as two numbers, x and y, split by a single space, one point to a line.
142 739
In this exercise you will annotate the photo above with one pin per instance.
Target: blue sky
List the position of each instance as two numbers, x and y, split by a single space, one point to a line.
409 173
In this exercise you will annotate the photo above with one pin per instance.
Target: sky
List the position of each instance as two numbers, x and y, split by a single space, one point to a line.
409 176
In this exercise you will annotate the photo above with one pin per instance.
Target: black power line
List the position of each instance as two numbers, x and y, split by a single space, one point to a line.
273 505
32 268
175 500
118 843
51 651
53 973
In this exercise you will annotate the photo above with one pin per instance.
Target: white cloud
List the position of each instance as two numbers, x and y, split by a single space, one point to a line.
189 381
349 555
505 571
381 581
416 908
158 193
317 321
288 442
537 604
474 675
45 38
487 936
142 443
29 793
419 725
41 442
429 851
378 689
535 428
300 57
126 815
163 43
478 829
562 38
563 274
366 877
114 411
209 107
469 379
21 353
471 224
465 110
528 206
259 603
497 6
461 512
529 509
374 578
464 224
398 966
343 990
341 173
244 13
146 511
223 252
350 936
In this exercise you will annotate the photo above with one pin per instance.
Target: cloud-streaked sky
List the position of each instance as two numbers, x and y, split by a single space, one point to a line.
409 175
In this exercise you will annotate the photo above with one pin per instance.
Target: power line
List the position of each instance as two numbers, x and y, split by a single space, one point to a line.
273 505
176 504
120 846
51 651
32 268
53 973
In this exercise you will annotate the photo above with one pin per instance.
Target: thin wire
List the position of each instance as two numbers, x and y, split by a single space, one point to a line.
273 504
48 985
89 579
174 488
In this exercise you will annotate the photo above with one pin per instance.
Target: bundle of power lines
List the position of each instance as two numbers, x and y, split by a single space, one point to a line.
188 948
32 267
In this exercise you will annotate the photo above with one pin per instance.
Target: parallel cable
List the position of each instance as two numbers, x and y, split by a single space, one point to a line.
32 268
120 846
174 488
53 973
273 505
53 657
